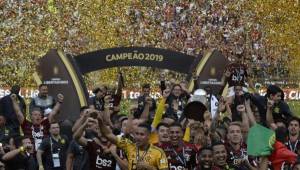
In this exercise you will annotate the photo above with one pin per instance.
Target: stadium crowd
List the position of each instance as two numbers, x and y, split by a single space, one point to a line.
193 27
163 134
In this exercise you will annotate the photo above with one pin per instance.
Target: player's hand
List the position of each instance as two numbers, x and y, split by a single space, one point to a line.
270 104
13 97
241 108
60 98
166 93
148 100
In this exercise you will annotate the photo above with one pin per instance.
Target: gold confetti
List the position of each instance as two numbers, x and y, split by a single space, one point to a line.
29 29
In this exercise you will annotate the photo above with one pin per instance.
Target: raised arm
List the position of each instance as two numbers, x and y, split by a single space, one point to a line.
227 105
20 115
250 114
120 84
106 131
78 135
146 111
269 115
56 108
121 162
160 109
245 121
106 113
10 155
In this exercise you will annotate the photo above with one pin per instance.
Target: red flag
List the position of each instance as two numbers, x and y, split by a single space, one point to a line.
280 155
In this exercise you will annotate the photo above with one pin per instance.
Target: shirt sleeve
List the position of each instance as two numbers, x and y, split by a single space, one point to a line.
187 134
162 161
123 143
45 144
72 148
46 123
159 112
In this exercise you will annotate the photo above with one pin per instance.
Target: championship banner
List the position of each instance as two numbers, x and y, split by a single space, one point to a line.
210 71
59 72
135 56
63 73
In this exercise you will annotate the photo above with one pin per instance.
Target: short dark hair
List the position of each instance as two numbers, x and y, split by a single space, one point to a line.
146 86
273 89
15 89
293 119
281 134
83 108
162 124
51 123
204 148
96 90
176 124
170 116
175 86
36 109
216 144
146 126
19 139
41 85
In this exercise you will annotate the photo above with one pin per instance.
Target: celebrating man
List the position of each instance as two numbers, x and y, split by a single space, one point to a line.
141 155
179 153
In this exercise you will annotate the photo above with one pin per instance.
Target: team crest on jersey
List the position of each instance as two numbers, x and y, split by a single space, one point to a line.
163 161
187 157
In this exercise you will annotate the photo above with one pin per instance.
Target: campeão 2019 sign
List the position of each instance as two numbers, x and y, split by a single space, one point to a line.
63 73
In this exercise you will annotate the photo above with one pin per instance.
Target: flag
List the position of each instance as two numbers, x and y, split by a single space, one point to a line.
260 141
280 155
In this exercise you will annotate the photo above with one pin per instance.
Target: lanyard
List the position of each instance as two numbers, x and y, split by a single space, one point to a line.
183 161
138 158
51 145
293 148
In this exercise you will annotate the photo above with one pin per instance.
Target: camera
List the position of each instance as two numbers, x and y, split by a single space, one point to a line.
240 100
247 96
94 115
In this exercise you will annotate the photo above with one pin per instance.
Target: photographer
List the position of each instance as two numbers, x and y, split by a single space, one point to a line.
142 102
22 157
97 101
237 99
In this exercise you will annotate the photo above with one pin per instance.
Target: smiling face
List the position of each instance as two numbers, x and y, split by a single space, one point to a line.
176 134
163 134
205 159
219 155
177 90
